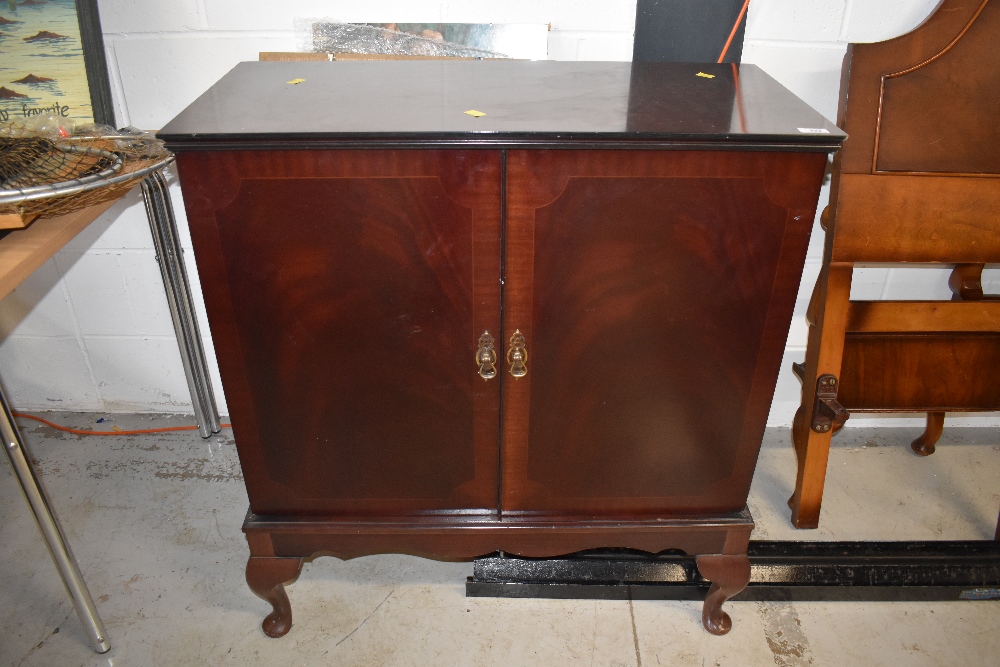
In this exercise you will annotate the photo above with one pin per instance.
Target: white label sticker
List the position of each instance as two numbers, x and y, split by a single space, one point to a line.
814 130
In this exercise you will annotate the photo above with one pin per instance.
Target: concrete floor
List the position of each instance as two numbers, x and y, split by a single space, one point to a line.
155 524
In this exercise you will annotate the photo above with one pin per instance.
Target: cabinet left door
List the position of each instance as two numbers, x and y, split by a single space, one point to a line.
347 293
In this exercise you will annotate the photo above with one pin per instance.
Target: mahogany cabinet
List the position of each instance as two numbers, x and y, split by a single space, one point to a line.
551 328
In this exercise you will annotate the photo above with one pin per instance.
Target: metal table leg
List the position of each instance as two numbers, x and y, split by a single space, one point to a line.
169 255
47 523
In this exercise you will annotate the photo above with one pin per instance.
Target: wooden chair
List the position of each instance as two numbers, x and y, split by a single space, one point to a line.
918 181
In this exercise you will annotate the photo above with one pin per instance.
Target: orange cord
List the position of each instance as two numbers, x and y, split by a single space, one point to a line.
135 432
736 26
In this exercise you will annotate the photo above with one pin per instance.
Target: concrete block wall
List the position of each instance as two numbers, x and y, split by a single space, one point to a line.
90 330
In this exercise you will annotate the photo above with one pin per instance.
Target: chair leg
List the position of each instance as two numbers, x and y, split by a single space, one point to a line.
924 445
827 327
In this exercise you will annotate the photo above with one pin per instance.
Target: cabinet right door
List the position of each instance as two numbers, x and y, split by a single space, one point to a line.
654 291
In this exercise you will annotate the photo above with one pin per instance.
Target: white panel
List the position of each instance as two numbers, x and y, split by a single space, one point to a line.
194 280
214 375
139 374
38 306
563 14
877 21
46 374
144 286
798 333
124 225
162 75
991 279
868 282
817 237
149 16
180 214
788 393
605 46
902 419
927 282
817 20
97 289
811 72
563 44
242 15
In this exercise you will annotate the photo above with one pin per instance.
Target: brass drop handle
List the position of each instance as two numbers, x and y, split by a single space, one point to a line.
486 357
517 355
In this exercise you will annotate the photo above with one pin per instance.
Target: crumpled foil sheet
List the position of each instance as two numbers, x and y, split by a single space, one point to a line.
331 37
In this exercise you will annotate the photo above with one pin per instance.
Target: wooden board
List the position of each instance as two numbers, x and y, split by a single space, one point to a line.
24 250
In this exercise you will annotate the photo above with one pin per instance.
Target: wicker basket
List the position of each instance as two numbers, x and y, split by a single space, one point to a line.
44 177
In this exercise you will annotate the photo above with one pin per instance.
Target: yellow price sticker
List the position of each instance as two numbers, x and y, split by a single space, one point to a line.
705 76
296 81
474 113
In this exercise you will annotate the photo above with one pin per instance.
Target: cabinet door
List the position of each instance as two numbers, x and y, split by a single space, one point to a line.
654 291
347 292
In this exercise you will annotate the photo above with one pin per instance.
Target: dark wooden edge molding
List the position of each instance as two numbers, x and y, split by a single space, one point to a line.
177 144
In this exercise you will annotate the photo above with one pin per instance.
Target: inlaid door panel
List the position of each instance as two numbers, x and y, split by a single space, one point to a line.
653 290
349 290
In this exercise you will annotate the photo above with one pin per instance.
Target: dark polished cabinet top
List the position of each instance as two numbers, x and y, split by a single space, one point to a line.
354 103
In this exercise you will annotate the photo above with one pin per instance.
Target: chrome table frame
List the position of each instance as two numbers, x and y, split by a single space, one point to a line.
169 256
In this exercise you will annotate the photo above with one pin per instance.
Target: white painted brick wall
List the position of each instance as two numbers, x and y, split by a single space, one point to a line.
90 330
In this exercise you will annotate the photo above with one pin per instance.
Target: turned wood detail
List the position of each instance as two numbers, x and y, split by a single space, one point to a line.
729 575
966 283
266 578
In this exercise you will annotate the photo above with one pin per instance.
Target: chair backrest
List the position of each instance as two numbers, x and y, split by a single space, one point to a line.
919 176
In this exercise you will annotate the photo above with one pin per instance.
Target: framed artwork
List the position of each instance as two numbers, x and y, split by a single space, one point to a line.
53 61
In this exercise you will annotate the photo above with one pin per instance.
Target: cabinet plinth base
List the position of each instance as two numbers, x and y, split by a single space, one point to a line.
278 545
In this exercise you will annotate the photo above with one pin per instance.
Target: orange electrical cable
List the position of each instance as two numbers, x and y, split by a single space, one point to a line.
736 26
77 431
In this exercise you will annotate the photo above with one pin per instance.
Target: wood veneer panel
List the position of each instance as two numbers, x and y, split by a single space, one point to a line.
347 291
942 116
923 316
921 372
916 219
865 65
654 290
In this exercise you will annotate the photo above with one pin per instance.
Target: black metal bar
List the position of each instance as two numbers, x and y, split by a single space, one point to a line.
684 31
95 62
799 571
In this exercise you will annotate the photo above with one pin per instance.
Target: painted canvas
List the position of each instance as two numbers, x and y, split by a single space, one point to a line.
42 69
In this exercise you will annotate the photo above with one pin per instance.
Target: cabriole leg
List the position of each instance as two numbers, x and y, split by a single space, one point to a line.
729 575
924 445
266 578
